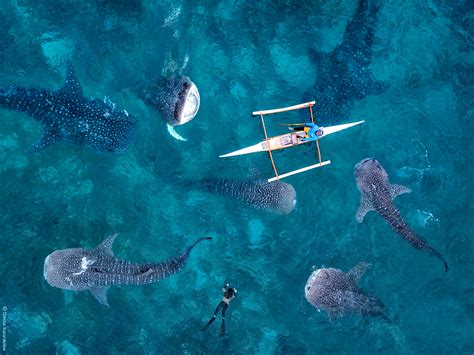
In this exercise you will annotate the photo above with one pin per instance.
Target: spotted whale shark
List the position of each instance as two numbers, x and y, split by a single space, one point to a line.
343 75
66 115
96 270
338 293
377 194
174 96
276 197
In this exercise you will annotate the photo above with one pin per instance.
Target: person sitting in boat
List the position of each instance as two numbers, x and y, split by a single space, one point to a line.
228 294
311 130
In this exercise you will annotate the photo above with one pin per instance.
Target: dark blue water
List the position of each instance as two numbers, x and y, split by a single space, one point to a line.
243 57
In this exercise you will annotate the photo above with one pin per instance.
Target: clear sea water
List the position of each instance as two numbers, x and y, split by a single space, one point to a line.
243 56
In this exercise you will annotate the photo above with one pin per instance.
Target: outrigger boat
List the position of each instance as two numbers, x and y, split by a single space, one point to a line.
291 139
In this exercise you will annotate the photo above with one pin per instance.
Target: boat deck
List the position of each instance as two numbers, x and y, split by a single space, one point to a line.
284 141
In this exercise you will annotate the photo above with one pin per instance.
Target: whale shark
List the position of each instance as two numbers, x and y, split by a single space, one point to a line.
376 193
96 270
275 197
338 294
343 75
174 96
66 115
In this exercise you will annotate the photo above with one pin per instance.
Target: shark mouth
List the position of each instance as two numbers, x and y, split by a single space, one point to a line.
45 269
191 101
190 108
310 281
362 162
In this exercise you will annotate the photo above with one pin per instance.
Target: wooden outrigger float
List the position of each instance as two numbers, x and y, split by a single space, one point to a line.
291 139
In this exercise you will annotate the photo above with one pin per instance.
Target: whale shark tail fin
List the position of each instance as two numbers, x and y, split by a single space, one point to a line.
194 244
375 308
437 254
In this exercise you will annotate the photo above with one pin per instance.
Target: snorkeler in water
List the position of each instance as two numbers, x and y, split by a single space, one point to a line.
228 294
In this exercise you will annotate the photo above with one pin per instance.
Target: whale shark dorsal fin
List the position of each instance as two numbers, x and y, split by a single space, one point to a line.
364 207
48 138
396 190
71 86
333 314
105 248
100 294
356 273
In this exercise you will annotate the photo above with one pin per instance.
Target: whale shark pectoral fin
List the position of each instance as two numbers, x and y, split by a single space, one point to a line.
71 86
175 134
48 138
396 190
105 248
100 294
356 273
334 313
364 207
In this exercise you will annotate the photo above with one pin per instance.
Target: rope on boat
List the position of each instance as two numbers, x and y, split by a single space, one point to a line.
317 141
311 112
319 152
268 145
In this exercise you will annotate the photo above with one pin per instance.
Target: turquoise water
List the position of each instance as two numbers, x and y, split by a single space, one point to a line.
242 57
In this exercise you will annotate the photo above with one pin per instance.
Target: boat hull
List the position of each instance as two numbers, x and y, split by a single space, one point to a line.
287 140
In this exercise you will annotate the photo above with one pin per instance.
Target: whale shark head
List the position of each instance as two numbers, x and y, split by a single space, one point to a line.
284 197
188 102
176 97
66 268
368 169
322 287
316 281
277 197
181 100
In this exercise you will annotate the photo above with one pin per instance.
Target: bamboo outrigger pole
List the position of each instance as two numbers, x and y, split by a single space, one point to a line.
268 146
317 140
300 170
284 109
